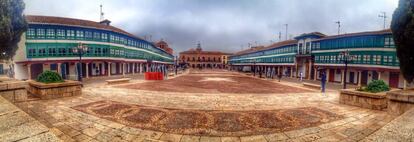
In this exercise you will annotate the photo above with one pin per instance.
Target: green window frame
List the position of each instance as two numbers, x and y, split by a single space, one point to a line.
31 33
60 33
50 33
40 33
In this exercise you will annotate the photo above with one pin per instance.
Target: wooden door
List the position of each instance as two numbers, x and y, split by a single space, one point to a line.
36 69
394 79
364 78
352 77
331 75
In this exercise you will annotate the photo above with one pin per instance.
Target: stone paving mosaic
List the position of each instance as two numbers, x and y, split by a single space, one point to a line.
209 122
196 82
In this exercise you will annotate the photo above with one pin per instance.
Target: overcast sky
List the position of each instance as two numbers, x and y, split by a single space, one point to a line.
224 25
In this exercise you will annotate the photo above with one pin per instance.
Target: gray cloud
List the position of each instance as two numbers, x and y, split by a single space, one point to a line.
225 25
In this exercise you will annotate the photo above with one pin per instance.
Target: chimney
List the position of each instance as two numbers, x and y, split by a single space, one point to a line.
105 22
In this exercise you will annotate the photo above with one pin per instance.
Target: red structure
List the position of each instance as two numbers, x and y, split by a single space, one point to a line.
154 76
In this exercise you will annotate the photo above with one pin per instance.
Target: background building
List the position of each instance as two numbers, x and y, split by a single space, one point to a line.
197 58
49 41
164 46
313 53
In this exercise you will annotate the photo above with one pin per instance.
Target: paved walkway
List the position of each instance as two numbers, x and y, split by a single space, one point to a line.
73 125
16 125
399 130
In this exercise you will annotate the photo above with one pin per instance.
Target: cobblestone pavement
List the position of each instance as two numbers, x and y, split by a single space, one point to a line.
16 125
73 125
215 82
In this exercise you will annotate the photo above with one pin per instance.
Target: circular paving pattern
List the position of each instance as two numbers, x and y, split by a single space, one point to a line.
212 123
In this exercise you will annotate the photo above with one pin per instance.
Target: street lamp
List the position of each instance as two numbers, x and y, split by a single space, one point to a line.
254 67
80 50
176 64
346 58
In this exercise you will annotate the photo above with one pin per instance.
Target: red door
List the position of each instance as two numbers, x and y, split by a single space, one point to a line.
394 79
331 75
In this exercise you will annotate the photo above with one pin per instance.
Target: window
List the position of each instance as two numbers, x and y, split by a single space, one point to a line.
389 42
88 35
32 52
104 36
366 59
96 36
60 33
50 33
31 33
79 34
52 51
40 33
390 58
62 51
377 59
70 34
112 38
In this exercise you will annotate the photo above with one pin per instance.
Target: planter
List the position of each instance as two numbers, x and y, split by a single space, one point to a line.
400 101
375 101
55 90
13 90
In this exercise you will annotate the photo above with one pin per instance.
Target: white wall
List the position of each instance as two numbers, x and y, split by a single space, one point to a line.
113 68
21 72
338 77
401 81
72 71
385 76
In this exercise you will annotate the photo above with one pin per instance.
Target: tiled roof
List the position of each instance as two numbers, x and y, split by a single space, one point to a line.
192 51
387 31
272 46
35 19
311 34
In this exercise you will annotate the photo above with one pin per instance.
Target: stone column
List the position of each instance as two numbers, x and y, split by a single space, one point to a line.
315 75
291 72
29 71
343 80
133 68
310 70
297 71
109 69
87 70
141 68
328 75
405 84
58 68
379 75
123 69
359 78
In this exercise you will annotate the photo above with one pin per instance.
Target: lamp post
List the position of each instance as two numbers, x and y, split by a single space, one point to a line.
176 64
254 67
80 50
346 58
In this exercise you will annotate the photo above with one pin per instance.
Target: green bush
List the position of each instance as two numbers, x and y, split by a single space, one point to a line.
377 86
49 77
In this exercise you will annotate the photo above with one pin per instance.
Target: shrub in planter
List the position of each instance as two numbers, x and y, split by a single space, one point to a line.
377 86
49 77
